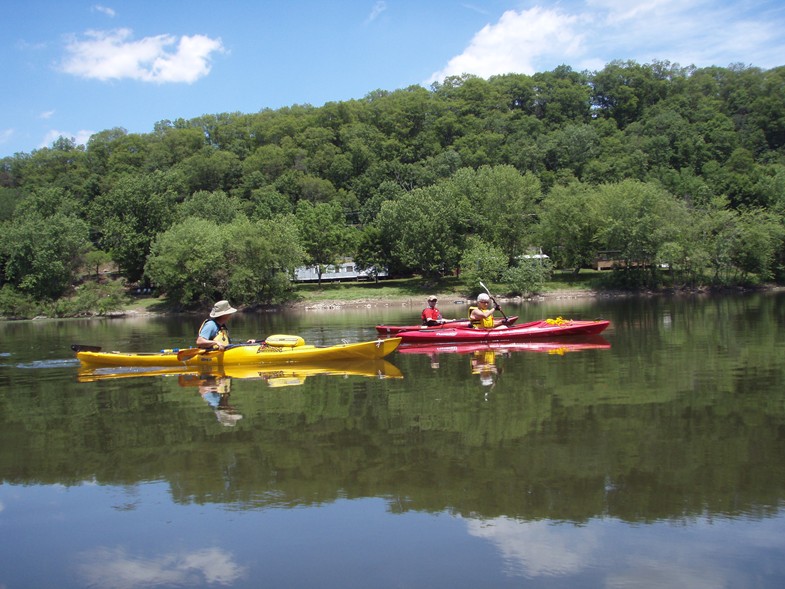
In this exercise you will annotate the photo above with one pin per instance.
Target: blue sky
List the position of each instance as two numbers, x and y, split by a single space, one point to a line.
73 68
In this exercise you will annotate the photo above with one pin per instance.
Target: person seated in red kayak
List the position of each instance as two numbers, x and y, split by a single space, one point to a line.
481 316
431 315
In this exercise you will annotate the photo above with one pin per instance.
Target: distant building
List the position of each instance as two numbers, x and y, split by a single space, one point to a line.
346 270
534 253
610 260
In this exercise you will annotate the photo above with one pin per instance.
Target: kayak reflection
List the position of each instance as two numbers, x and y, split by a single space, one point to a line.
215 383
554 346
273 374
483 355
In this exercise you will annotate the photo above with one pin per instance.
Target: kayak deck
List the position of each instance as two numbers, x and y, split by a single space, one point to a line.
547 328
240 354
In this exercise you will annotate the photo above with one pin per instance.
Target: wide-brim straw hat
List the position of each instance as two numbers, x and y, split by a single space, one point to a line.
222 308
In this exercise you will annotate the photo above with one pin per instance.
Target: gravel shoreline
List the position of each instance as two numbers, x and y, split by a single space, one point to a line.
420 301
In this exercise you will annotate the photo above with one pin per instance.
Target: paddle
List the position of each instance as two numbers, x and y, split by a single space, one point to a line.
434 322
83 348
188 353
495 303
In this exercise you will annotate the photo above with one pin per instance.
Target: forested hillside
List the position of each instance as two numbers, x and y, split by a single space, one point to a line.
680 171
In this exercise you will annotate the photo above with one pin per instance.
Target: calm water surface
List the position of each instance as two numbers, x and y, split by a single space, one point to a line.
651 457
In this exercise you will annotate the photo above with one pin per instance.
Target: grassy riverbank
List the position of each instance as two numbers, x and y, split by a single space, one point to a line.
398 291
414 290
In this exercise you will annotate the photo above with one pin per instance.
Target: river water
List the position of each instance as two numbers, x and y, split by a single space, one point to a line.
653 456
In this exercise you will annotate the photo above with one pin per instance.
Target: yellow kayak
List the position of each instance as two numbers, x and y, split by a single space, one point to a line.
273 374
276 349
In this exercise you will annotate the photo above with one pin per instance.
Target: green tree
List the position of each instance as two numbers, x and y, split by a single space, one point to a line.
94 297
216 206
95 258
325 236
129 216
570 219
40 256
211 169
758 240
562 96
637 219
426 229
370 253
63 166
571 147
266 202
188 262
482 261
624 89
509 204
9 199
261 257
199 260
529 275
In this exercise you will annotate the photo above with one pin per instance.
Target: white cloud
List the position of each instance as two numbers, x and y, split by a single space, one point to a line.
475 8
534 549
619 11
590 33
516 43
116 569
47 114
105 10
377 9
5 135
114 55
80 138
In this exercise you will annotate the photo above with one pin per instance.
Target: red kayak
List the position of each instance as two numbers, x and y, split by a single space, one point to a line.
550 346
394 329
548 328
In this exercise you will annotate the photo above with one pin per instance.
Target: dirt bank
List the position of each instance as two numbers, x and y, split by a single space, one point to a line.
399 301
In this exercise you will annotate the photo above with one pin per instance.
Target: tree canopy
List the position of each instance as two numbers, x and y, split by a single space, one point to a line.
673 167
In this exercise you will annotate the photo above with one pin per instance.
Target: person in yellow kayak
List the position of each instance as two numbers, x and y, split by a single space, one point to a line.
213 334
482 315
431 315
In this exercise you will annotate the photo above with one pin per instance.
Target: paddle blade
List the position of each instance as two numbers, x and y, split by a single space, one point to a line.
189 353
84 348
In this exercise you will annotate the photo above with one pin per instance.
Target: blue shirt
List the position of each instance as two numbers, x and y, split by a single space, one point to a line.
209 329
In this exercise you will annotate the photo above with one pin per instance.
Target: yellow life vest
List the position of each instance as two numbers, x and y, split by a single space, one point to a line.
486 323
222 337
